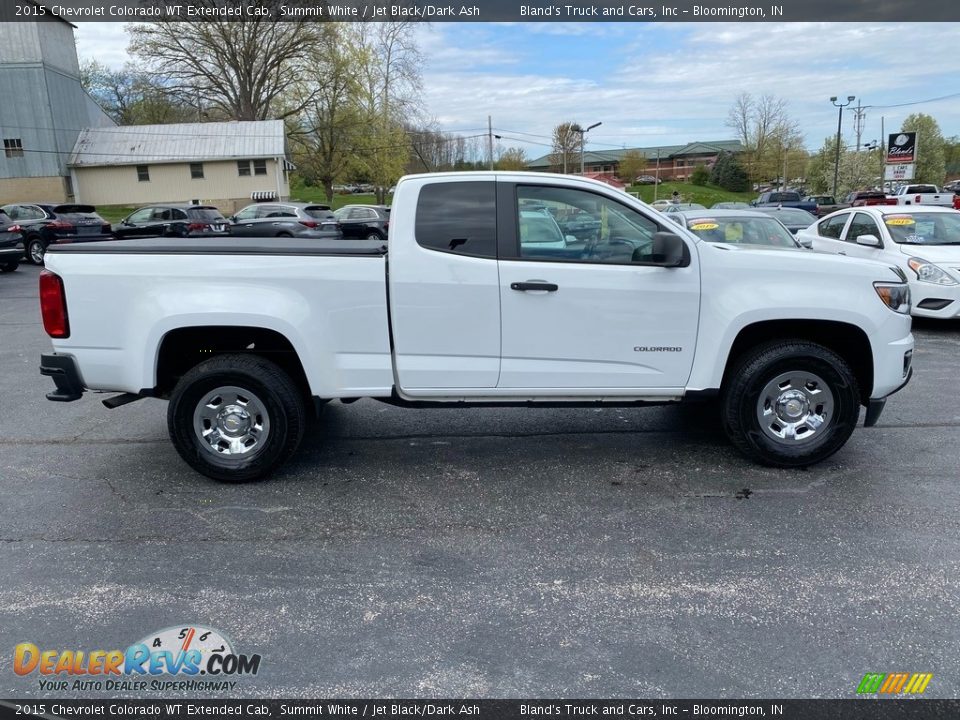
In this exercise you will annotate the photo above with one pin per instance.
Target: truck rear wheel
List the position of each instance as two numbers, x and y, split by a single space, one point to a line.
790 403
236 418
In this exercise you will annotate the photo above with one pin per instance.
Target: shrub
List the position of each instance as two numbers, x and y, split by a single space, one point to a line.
700 175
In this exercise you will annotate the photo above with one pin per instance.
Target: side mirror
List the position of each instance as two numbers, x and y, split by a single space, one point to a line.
869 241
570 238
805 242
667 250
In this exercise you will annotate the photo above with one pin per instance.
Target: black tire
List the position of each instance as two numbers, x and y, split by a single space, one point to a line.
284 235
816 409
35 248
271 396
9 266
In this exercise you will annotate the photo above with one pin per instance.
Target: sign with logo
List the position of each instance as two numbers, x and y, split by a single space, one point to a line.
182 653
899 172
902 148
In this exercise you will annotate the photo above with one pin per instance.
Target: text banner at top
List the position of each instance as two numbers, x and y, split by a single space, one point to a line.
78 11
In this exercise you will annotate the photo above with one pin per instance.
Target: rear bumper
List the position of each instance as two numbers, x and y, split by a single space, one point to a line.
63 369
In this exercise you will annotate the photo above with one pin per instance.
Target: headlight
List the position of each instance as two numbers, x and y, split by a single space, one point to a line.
895 296
928 272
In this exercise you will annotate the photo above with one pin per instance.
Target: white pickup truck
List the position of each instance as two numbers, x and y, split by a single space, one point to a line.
922 195
498 289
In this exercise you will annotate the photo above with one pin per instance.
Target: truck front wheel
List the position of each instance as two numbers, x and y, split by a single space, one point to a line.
235 418
790 403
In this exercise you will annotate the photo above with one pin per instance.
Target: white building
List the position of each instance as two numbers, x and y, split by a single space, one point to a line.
226 164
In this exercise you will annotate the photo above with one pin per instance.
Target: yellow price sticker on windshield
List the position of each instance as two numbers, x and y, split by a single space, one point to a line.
900 221
704 226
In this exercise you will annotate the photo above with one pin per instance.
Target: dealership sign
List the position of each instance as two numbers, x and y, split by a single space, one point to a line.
899 172
902 148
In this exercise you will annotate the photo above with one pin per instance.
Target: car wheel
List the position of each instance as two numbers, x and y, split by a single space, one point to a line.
36 249
373 235
236 418
790 403
10 266
284 235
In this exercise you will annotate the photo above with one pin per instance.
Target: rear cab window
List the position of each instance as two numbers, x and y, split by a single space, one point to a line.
458 217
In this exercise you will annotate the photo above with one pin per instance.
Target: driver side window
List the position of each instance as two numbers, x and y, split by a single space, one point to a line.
564 224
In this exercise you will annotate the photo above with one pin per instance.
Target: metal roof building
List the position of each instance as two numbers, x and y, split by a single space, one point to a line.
227 164
43 111
181 142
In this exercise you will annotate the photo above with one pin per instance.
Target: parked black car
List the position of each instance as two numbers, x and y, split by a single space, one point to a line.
286 219
11 244
45 223
369 222
173 221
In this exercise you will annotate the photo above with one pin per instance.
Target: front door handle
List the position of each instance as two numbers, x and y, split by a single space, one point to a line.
534 285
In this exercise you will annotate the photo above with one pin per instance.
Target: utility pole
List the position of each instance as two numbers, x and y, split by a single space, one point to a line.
490 140
859 115
836 168
656 185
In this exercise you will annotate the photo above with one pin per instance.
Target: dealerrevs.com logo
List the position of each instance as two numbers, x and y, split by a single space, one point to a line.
183 653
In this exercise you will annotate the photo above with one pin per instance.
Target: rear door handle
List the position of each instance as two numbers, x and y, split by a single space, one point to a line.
534 285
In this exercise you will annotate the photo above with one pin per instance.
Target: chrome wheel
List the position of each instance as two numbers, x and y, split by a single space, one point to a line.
36 251
231 423
794 407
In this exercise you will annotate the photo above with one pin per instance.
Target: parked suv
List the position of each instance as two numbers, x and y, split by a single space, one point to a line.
288 219
11 244
369 222
173 221
46 223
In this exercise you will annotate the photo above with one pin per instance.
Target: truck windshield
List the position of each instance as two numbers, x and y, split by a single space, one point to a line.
924 228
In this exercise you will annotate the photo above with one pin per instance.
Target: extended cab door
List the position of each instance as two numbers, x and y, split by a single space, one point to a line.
444 285
587 310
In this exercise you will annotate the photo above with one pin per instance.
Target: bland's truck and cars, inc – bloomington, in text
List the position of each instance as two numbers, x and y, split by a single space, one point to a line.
492 289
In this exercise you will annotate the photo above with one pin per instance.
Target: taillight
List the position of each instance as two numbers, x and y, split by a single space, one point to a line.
917 199
386 225
14 228
53 305
195 226
309 223
60 225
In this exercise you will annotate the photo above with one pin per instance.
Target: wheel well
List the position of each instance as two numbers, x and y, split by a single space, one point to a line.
848 341
185 348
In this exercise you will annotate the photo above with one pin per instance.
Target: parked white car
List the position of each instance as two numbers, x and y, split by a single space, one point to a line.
923 242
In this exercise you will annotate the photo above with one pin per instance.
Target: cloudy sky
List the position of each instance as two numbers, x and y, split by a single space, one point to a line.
658 84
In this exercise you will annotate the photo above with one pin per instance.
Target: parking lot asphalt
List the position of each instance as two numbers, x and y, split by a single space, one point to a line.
488 553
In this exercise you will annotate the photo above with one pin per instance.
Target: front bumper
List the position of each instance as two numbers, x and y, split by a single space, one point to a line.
63 369
935 301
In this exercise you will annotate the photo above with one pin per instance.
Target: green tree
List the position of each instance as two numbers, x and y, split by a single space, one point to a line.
632 165
512 159
931 147
700 175
324 135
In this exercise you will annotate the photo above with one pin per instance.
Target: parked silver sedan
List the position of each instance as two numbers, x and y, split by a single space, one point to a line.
286 219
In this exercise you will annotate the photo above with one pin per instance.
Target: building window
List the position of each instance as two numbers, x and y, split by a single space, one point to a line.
143 173
12 147
196 171
243 168
259 167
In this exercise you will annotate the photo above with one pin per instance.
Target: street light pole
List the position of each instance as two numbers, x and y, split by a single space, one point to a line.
836 167
583 132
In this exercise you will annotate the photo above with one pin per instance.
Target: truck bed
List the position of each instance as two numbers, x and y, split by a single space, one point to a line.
228 246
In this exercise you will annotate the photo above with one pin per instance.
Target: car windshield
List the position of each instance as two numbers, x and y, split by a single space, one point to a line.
924 228
741 230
